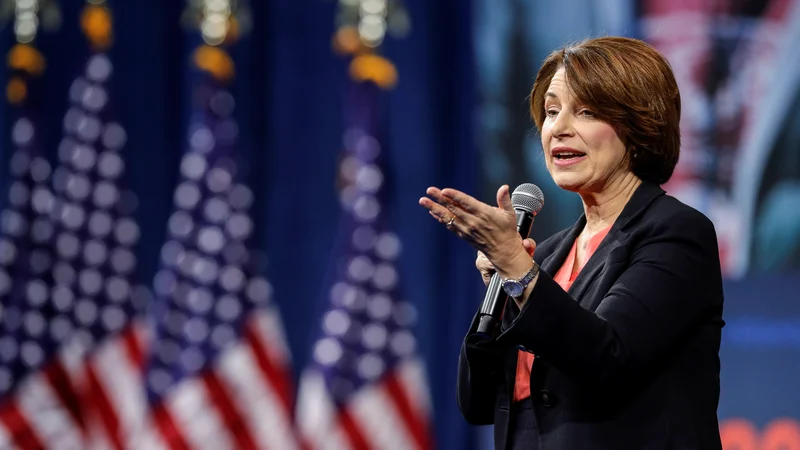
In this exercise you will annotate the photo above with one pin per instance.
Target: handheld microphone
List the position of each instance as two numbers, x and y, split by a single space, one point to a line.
528 200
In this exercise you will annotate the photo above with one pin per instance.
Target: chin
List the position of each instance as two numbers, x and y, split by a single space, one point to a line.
568 181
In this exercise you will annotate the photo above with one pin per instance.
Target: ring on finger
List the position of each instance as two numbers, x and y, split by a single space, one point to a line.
452 219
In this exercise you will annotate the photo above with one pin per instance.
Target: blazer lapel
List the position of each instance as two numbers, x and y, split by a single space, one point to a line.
616 238
554 260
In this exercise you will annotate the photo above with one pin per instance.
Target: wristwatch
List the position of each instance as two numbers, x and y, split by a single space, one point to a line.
515 288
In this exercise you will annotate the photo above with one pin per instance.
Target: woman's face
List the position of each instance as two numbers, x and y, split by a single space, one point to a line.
583 154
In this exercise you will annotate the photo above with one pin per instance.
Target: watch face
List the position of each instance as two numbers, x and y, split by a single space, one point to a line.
513 288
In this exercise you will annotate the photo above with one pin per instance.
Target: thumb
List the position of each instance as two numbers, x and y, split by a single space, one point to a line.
504 198
530 245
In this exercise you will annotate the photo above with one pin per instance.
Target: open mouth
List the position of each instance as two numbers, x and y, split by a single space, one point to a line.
568 155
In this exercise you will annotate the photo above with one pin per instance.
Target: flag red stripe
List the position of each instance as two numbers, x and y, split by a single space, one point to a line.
59 380
415 424
234 421
133 346
352 430
278 377
168 429
101 407
20 431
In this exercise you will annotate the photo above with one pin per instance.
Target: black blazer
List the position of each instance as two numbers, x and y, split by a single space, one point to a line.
629 357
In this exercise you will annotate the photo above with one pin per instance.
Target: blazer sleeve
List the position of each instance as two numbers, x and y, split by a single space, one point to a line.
479 376
671 283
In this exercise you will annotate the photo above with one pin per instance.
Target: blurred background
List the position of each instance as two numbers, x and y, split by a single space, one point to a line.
210 235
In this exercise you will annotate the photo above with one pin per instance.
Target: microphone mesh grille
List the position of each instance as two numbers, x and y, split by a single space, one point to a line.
529 197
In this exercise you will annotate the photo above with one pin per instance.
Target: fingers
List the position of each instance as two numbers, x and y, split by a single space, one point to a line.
504 198
461 200
485 267
438 211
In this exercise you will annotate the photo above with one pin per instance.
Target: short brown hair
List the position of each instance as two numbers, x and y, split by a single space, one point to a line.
628 84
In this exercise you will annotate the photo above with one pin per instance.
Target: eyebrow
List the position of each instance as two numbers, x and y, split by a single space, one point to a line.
550 94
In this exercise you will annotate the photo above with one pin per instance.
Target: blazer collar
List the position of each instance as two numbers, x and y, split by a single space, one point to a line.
644 195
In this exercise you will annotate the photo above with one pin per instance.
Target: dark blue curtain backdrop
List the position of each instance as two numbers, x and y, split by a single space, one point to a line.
289 101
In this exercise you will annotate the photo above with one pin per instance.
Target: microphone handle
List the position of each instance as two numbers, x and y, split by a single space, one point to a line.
494 302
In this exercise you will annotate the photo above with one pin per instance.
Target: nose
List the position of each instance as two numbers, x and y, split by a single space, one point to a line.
562 125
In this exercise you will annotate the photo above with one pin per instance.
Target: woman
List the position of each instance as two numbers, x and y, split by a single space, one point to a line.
614 342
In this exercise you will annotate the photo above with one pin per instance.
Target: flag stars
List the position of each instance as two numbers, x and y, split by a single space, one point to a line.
388 246
86 312
180 224
60 328
36 292
360 269
199 300
205 270
374 336
90 281
110 165
187 195
240 197
192 359
364 238
370 366
99 68
259 290
201 139
105 194
100 224
210 240
126 232
88 128
239 226
123 260
118 289
8 251
193 166
94 98
218 180
327 351
62 298
22 132
223 336
114 136
113 318
366 208
196 330
18 194
379 307
231 279
31 353
5 285
78 186
369 178
336 322
94 253
228 308
402 343
159 380
385 277
216 210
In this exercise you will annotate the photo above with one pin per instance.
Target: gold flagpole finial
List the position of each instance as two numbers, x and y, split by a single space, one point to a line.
362 28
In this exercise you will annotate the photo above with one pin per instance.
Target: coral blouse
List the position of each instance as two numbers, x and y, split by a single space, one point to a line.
564 277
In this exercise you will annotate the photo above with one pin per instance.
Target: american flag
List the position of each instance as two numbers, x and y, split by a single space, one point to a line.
366 387
218 376
68 328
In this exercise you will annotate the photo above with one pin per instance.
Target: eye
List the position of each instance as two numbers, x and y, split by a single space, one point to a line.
587 113
551 112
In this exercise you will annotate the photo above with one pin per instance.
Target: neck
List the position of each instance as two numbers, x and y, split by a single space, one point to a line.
602 208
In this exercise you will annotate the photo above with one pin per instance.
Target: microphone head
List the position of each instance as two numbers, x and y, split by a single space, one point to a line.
528 197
